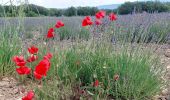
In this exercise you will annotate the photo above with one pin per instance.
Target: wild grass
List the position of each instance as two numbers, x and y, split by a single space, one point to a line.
78 67
97 53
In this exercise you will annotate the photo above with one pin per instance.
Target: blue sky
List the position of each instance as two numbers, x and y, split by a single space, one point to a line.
76 3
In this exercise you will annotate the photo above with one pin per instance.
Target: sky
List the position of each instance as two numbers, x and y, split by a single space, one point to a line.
75 3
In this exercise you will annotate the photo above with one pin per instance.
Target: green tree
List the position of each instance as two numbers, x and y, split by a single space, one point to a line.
55 12
72 11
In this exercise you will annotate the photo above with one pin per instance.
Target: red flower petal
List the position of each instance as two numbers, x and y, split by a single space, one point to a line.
23 70
50 33
37 76
19 60
87 21
112 17
101 14
48 56
42 68
59 24
98 22
32 58
33 50
29 96
96 83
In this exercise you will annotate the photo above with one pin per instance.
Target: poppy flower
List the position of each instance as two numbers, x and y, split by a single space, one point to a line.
33 50
87 21
41 69
37 76
24 70
112 17
50 33
48 56
59 24
32 58
96 83
29 96
19 60
98 22
101 14
116 77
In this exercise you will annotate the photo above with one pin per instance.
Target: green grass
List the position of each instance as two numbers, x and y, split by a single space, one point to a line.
9 47
139 72
69 33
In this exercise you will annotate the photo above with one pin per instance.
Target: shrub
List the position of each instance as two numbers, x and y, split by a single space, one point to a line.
138 72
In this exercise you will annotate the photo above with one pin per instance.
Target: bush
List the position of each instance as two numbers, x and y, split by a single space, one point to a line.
139 72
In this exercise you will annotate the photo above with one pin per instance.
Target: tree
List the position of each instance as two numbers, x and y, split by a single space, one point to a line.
55 12
72 11
149 6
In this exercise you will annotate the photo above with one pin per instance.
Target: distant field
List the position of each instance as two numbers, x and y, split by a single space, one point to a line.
154 25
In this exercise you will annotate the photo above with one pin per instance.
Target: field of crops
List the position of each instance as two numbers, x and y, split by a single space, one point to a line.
105 57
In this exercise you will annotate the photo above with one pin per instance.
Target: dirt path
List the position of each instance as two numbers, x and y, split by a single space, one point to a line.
9 89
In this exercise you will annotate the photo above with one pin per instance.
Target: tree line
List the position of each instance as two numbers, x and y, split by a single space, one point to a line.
139 7
32 10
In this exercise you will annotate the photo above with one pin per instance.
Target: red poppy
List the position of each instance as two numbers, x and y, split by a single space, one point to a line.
24 70
59 24
50 33
37 76
96 83
32 58
48 56
112 17
87 21
19 60
101 14
41 69
33 50
98 22
116 77
29 96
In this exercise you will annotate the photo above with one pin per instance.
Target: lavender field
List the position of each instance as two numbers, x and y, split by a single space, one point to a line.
148 27
123 57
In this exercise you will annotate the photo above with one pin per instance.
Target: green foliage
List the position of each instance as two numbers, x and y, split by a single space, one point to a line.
67 33
126 8
31 14
9 47
150 6
38 9
84 34
139 72
64 33
72 11
47 92
55 12
160 32
84 11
